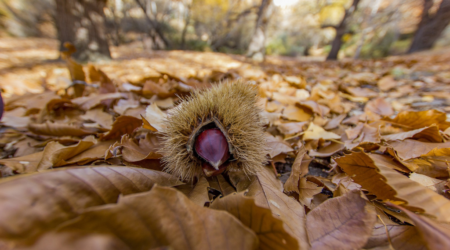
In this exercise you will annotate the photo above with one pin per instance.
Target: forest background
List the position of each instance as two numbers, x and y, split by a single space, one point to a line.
333 28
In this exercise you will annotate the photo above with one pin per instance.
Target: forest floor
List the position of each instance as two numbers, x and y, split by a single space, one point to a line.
359 152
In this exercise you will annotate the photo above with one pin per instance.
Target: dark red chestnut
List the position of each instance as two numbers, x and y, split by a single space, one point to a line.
212 146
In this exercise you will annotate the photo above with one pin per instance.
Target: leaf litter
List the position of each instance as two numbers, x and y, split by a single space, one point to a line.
358 157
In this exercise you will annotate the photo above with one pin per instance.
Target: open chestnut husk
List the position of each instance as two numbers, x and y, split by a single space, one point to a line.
213 131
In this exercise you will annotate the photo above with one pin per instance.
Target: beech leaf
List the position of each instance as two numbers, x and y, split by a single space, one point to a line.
163 217
269 229
340 223
52 197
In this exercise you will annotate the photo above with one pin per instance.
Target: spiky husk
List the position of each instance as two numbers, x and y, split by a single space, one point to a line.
234 105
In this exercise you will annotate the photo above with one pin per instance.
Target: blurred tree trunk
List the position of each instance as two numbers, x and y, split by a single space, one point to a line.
186 24
82 23
256 49
155 30
341 30
430 27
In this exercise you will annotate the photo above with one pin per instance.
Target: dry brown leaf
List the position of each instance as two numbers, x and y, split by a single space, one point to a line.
340 223
434 163
387 184
164 217
361 92
276 145
435 235
268 193
269 229
386 83
96 152
26 146
56 154
299 170
15 118
23 164
162 90
307 190
60 129
165 103
409 149
96 75
220 184
121 126
402 237
123 105
344 180
335 122
291 128
88 102
367 135
72 241
52 197
101 118
154 118
432 166
199 194
379 106
315 107
428 134
434 184
315 132
328 150
30 101
293 113
146 148
420 119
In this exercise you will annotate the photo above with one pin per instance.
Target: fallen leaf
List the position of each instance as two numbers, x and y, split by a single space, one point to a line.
435 235
23 164
318 109
123 105
327 151
99 116
361 92
121 126
137 151
164 217
199 194
419 119
56 154
88 102
291 128
165 103
299 170
429 134
387 184
340 223
96 152
386 83
52 197
434 184
268 193
307 190
59 129
402 237
220 184
269 229
276 145
409 149
315 132
335 122
379 106
154 118
294 113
